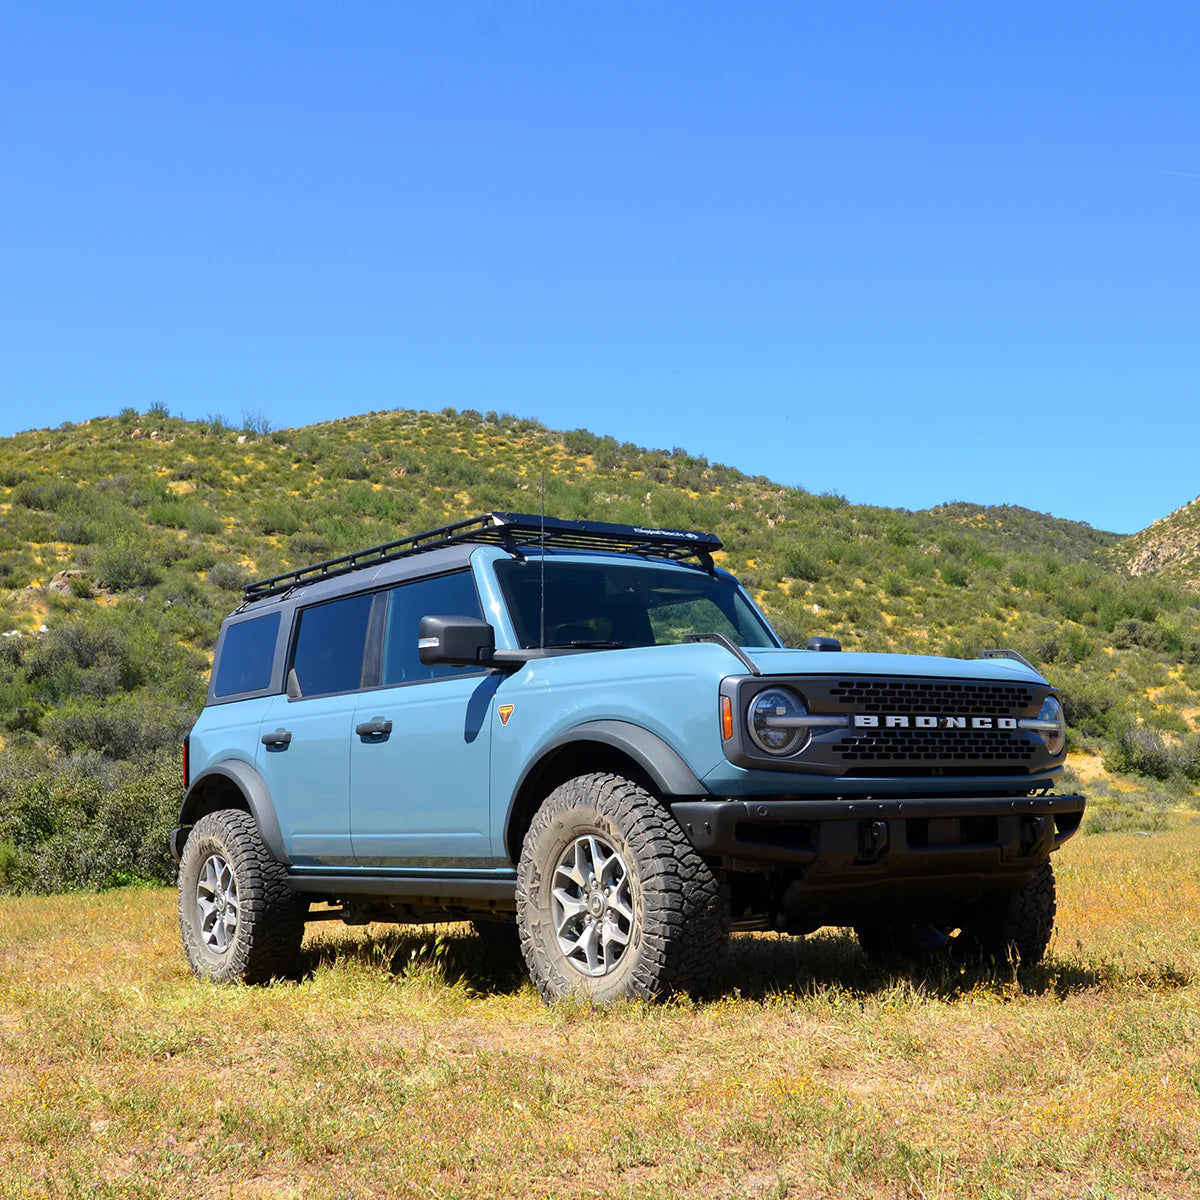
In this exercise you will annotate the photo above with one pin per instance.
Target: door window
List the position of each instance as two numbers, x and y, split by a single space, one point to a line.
442 596
329 646
247 653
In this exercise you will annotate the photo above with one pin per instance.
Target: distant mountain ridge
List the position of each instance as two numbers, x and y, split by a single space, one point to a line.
1171 546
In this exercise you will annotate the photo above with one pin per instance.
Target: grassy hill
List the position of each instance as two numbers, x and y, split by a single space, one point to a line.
124 541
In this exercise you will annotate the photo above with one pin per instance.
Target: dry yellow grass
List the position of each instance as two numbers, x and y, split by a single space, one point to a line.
416 1063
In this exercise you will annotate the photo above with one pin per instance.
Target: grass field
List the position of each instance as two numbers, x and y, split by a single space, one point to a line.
417 1062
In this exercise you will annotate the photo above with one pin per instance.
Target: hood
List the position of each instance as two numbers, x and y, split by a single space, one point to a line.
852 663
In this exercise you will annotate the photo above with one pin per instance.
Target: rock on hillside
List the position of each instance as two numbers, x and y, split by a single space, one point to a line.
1171 546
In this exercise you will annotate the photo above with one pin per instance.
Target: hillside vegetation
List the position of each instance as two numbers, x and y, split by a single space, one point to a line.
125 540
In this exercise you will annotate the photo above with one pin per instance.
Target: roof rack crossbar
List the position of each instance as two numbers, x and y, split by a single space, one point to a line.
512 531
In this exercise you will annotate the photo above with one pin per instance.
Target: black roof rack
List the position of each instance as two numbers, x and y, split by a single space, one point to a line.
513 531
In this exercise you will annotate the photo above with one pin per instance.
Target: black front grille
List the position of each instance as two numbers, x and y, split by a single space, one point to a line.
936 745
936 698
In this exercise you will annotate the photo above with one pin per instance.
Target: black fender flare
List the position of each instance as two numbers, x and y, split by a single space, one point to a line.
664 765
258 800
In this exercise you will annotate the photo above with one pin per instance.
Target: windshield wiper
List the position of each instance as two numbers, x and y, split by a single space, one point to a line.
587 645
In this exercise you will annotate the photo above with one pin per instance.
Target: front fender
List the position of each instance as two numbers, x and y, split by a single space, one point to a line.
258 799
666 767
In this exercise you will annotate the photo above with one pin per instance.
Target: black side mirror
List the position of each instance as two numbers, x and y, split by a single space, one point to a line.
459 641
824 643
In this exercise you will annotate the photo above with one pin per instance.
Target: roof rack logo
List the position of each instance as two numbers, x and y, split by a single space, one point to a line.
674 533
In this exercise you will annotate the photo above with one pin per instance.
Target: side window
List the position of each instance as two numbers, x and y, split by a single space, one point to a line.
442 596
247 651
329 646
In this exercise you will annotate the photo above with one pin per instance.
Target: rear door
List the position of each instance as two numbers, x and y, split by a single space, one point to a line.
419 770
304 750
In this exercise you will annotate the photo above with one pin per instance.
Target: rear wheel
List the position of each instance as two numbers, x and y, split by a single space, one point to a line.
612 901
239 920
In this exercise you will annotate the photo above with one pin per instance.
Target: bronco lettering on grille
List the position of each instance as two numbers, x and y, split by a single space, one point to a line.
900 721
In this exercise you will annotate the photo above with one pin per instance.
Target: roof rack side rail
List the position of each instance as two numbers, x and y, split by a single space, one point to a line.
514 532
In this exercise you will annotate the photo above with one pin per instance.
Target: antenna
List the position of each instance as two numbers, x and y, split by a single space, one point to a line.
542 540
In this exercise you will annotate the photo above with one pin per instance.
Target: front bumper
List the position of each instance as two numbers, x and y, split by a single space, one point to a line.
871 839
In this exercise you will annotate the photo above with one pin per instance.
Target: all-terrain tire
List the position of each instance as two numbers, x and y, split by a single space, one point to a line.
1018 930
665 902
239 920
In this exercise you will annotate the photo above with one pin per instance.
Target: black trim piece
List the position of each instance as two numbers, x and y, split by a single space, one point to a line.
721 640
372 671
1009 654
668 770
438 888
864 807
258 800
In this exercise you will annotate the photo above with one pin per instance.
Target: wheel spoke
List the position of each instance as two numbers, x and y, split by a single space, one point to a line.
587 944
613 933
569 907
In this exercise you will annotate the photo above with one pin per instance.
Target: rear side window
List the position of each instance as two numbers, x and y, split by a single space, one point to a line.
442 596
329 646
247 651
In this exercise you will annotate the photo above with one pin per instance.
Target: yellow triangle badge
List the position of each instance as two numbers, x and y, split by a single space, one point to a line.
505 711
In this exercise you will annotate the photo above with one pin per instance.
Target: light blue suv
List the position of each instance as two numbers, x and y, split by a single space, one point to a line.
591 730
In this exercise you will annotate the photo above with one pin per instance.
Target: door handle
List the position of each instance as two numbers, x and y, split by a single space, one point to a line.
280 737
377 727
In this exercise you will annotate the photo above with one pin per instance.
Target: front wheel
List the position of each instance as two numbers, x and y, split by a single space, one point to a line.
1014 930
612 900
1018 930
239 920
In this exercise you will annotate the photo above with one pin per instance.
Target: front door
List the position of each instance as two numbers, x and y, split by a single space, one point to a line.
420 755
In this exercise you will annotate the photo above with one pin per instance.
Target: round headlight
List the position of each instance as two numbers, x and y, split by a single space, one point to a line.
1056 738
774 722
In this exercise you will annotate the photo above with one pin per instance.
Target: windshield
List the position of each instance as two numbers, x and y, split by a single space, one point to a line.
615 604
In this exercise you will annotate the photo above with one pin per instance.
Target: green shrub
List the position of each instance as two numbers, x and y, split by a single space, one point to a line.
119 727
307 546
9 861
801 563
124 564
184 514
278 517
45 496
229 576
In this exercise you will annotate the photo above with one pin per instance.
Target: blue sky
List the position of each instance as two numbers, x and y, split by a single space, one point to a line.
909 253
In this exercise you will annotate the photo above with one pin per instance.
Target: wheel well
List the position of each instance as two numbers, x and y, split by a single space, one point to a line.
209 796
561 764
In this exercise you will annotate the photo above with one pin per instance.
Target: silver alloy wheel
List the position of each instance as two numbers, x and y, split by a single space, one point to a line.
592 905
217 904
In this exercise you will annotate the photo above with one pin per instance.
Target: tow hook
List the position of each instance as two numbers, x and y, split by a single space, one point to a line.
1034 832
872 840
